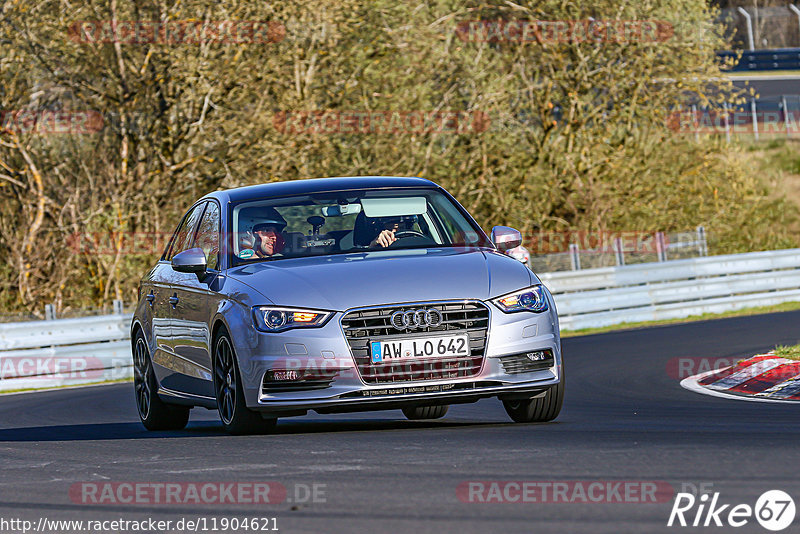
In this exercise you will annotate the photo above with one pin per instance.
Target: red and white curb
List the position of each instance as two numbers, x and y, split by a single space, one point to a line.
762 378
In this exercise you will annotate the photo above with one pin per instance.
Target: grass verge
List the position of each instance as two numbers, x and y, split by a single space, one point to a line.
790 353
50 388
748 73
785 306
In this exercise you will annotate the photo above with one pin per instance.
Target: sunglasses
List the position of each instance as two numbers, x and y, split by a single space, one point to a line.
266 228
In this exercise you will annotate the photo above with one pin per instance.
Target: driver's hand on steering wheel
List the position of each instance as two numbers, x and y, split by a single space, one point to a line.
384 239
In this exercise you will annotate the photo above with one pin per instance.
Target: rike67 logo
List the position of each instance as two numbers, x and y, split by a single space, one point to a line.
774 510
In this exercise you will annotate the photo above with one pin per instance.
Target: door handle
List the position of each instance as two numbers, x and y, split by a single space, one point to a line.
150 298
174 300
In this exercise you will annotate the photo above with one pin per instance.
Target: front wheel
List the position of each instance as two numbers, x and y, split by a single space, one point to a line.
538 410
236 417
154 413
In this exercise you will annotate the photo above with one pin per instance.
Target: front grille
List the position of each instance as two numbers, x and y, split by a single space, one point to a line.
520 363
363 326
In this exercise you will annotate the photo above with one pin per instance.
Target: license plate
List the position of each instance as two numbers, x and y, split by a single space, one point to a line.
419 348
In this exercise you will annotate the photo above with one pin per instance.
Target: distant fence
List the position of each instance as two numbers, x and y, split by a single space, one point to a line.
675 289
761 27
769 117
579 250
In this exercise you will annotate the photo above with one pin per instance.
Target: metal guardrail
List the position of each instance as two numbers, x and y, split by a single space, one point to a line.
762 60
674 289
564 251
64 331
41 354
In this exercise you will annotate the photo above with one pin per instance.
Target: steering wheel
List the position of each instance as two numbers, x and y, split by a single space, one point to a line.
409 233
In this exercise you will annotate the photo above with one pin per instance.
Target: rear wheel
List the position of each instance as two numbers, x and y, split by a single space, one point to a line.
538 410
154 413
425 412
236 417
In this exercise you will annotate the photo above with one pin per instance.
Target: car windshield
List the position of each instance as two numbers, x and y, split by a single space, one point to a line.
349 221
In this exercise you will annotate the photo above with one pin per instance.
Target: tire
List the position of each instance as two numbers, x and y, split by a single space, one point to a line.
425 412
539 410
236 417
154 413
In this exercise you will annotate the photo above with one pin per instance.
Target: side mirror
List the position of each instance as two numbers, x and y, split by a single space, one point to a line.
190 261
505 238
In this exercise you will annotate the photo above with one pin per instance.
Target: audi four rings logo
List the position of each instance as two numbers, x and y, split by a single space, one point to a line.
420 318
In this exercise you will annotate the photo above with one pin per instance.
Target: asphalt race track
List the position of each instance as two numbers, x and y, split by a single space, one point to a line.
625 419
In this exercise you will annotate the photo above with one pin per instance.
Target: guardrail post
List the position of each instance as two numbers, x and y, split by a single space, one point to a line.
661 246
118 307
618 251
701 241
727 125
755 119
746 15
574 257
49 312
785 115
796 12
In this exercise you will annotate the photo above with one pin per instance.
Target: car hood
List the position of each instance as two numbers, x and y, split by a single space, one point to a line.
344 281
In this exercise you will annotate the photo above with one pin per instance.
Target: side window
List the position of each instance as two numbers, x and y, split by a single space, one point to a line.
185 233
208 235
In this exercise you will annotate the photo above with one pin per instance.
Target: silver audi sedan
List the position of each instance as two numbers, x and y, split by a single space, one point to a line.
339 295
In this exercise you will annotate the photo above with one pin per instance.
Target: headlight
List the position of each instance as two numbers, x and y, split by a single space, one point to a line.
271 319
530 299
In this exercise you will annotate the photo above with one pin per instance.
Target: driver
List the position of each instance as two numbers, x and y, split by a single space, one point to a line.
386 228
269 239
263 237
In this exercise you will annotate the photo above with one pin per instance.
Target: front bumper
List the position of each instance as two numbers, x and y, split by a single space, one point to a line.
326 351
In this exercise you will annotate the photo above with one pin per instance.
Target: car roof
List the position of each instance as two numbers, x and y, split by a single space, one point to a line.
319 185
